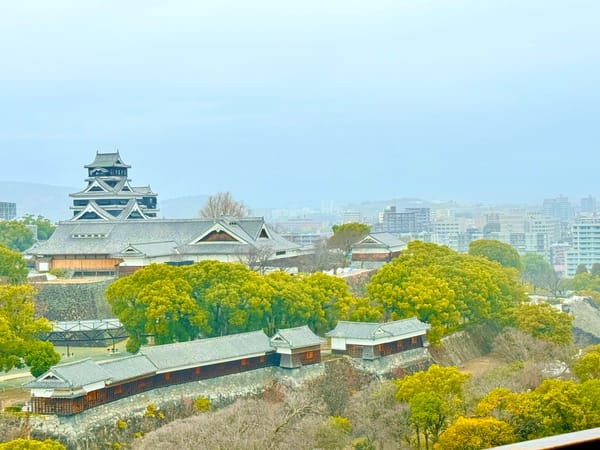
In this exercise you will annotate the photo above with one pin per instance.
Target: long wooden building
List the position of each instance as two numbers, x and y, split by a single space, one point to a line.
370 340
71 388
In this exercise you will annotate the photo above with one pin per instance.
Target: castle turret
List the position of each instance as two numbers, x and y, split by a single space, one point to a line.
109 194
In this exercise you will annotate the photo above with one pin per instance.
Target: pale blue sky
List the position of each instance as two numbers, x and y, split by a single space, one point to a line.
285 101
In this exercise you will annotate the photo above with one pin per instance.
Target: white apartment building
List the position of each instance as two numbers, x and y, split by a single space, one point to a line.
585 247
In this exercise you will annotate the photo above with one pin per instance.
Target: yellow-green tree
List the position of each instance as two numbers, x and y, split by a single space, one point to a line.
234 297
346 235
543 322
31 444
435 397
19 331
503 254
291 305
13 267
585 284
156 300
554 407
332 300
474 433
444 288
587 366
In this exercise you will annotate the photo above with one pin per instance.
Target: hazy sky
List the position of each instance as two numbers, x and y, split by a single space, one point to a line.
286 101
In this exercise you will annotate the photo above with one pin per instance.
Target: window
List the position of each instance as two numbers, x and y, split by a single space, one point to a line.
310 355
244 362
413 340
167 376
118 389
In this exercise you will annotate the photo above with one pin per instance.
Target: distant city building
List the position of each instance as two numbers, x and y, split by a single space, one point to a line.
299 226
548 226
422 218
352 216
588 205
558 257
109 194
8 210
585 245
412 220
305 240
558 207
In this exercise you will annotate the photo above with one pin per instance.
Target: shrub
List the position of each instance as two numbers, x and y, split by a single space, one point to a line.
202 405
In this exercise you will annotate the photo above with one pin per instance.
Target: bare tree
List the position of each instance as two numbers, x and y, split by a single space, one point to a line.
257 258
222 204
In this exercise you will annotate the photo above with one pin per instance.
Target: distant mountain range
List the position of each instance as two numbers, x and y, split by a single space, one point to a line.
53 202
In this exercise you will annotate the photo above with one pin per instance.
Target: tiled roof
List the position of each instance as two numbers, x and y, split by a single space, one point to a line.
295 338
372 330
207 351
77 237
71 375
128 368
152 249
385 239
107 160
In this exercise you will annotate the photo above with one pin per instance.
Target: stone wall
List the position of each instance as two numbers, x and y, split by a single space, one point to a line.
73 300
465 345
82 431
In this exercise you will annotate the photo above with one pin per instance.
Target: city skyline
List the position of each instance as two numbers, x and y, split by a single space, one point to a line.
490 102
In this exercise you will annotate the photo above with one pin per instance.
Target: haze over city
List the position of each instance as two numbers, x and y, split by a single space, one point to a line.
281 103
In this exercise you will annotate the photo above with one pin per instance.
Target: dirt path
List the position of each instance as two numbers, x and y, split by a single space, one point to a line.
478 366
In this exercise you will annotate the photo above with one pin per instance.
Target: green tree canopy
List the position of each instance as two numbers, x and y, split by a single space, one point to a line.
474 433
554 407
585 284
291 305
234 297
13 267
45 228
156 300
444 288
587 366
537 271
212 298
15 235
543 322
502 253
346 235
19 330
435 397
31 444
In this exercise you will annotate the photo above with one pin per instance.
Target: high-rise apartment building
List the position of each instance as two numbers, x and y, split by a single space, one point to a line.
411 220
8 210
588 205
558 207
585 245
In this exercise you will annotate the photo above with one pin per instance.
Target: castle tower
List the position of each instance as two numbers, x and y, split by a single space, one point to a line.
109 196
